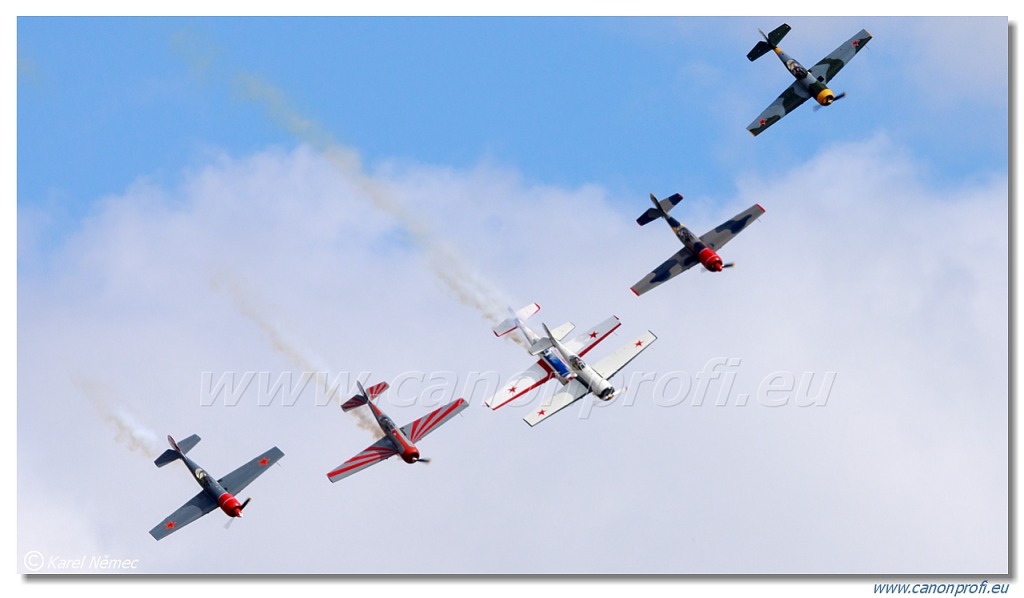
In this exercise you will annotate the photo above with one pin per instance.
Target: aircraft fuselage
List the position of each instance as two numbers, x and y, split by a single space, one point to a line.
815 88
227 502
406 449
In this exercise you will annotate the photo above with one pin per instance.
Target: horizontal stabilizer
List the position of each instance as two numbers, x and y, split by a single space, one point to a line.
777 34
168 456
510 324
650 215
562 331
186 445
177 450
365 396
771 41
662 208
758 51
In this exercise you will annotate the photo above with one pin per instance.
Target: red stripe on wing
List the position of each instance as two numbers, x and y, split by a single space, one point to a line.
367 457
427 423
528 388
599 339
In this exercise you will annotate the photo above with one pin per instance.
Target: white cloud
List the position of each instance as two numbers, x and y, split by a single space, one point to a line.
859 267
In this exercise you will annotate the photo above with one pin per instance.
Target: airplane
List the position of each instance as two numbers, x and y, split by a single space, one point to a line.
396 441
585 379
808 84
550 364
215 493
702 250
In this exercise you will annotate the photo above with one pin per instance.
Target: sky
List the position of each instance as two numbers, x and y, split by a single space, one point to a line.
205 201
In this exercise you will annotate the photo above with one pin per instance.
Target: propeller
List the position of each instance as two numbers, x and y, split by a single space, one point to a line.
424 461
729 265
240 509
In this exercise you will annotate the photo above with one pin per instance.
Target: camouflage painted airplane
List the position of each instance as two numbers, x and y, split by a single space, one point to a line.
550 364
215 493
586 379
396 441
808 84
695 250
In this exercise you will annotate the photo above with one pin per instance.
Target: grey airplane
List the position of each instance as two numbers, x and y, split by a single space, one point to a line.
696 250
811 83
215 493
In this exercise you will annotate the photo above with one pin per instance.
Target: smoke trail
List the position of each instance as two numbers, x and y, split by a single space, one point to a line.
468 286
130 432
240 296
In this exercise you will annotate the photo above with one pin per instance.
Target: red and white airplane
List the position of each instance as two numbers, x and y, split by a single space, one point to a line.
396 441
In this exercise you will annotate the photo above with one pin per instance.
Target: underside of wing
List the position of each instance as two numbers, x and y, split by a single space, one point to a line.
828 66
723 233
433 420
375 453
568 395
586 341
611 364
683 260
787 102
518 386
237 480
199 505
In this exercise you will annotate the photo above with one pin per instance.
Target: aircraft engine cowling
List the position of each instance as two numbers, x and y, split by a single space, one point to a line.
230 505
710 260
825 97
411 456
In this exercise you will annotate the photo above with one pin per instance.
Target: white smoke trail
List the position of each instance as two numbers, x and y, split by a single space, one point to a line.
241 297
467 286
130 431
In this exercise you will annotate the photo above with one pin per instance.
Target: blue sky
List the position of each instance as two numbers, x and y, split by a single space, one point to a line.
636 104
188 204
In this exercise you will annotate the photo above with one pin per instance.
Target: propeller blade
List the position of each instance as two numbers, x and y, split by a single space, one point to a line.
242 507
424 461
227 525
729 265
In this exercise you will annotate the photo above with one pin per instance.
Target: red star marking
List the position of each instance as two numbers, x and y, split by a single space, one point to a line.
763 121
593 335
541 412
639 343
513 389
170 525
264 461
856 43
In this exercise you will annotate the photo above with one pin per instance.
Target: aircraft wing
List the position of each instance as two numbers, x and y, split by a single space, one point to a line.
568 395
828 66
375 453
787 102
723 233
680 262
533 377
433 420
586 341
199 505
237 480
611 364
